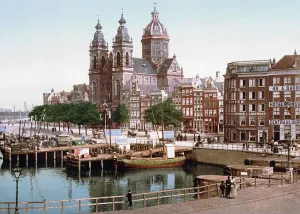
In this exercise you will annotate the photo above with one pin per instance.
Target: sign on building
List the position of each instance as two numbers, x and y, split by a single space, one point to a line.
285 88
284 122
284 104
114 132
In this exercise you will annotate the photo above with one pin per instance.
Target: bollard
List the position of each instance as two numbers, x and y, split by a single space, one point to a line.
255 181
281 178
269 180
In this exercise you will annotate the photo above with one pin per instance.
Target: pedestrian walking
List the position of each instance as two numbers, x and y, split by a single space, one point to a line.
222 188
244 145
228 186
129 198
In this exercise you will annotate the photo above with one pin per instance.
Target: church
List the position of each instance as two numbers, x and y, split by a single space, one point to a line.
111 73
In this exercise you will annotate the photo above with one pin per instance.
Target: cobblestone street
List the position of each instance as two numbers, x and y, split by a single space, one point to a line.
253 200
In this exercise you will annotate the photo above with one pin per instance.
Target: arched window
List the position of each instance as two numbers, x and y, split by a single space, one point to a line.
103 61
95 62
94 95
118 89
118 59
127 59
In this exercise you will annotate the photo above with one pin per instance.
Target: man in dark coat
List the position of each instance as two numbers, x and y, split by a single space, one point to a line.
222 188
129 197
228 186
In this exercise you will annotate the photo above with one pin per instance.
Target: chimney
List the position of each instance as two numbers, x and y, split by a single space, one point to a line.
174 57
295 52
274 61
217 74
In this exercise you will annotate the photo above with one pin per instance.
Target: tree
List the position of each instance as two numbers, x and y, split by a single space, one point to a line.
121 115
164 113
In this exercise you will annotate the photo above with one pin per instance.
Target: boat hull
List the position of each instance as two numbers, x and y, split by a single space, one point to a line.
147 163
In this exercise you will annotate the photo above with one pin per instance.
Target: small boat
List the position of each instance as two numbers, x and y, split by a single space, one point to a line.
147 163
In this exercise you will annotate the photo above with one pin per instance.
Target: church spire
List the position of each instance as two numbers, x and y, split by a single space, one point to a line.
154 13
295 52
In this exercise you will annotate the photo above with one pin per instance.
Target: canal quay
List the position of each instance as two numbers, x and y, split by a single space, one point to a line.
48 185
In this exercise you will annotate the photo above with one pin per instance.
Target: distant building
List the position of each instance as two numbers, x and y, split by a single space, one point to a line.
80 93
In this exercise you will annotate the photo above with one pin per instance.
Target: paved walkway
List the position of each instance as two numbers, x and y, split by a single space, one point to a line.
253 200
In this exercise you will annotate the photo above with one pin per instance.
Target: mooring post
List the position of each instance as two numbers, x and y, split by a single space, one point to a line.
61 158
79 164
46 158
90 167
9 150
54 155
35 153
26 159
18 158
101 164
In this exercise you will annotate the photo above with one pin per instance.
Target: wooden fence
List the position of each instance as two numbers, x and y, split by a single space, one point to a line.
115 202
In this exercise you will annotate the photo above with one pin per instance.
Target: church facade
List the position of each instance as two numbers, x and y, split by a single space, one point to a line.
113 73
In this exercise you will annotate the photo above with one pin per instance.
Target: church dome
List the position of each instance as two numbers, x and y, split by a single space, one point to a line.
155 28
98 35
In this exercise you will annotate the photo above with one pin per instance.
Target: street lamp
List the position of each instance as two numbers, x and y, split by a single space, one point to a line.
17 172
289 169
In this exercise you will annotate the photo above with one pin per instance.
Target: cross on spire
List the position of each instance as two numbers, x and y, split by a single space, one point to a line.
122 11
155 3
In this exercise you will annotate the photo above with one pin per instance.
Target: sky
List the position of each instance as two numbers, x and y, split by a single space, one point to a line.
45 44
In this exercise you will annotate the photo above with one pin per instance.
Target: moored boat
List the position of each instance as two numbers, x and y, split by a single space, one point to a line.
147 163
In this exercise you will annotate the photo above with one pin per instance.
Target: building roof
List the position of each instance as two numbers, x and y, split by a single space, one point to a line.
287 61
166 65
144 89
142 66
155 28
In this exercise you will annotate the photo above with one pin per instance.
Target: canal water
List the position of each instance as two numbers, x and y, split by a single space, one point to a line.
55 183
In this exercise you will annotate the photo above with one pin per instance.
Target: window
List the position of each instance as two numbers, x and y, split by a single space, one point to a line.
252 120
95 62
297 112
118 59
251 82
261 95
287 95
261 120
287 130
243 135
252 107
276 80
261 107
297 94
233 108
261 82
94 95
276 113
242 107
233 83
252 95
287 114
242 120
127 59
242 83
252 136
243 95
232 96
287 80
103 61
297 80
276 94
118 88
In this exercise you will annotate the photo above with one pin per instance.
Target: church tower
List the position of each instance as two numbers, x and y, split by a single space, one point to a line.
99 66
122 69
155 41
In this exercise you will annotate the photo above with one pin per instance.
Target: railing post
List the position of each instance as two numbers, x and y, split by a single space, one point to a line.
198 191
281 178
255 181
8 208
158 198
217 190
97 209
113 204
45 206
269 180
144 200
172 197
26 207
62 207
184 194
207 191
79 206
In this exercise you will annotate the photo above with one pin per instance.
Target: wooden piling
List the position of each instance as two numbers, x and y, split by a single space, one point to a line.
101 164
54 155
9 150
79 165
26 159
35 153
18 158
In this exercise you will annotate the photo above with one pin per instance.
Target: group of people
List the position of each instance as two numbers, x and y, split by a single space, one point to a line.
229 188
246 145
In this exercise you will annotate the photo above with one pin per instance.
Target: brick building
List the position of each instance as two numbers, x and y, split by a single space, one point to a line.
284 98
245 100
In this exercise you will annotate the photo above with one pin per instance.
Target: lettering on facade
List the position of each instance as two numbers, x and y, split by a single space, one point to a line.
284 104
250 113
236 101
284 122
285 88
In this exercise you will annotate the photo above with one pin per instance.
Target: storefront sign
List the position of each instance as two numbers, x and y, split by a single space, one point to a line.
114 132
250 113
284 122
284 104
285 88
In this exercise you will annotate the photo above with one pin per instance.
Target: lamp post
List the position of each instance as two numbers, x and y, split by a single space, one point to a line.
17 172
289 169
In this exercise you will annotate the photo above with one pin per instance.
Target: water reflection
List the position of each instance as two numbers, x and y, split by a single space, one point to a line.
57 184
